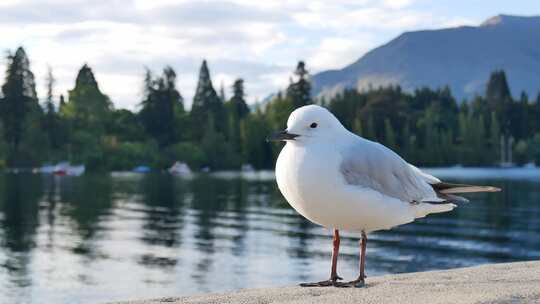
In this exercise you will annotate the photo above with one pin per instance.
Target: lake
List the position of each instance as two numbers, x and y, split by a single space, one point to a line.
100 238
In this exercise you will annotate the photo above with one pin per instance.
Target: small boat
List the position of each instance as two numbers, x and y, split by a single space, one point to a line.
141 169
247 168
530 165
507 165
179 168
61 168
14 170
205 169
64 168
47 169
76 170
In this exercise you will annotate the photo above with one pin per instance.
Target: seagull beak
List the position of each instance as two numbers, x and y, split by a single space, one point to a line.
281 136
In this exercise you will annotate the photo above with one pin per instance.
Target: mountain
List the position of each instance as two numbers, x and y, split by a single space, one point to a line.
461 57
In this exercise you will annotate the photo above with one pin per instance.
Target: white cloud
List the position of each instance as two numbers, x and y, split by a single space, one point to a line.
336 52
397 4
257 40
9 2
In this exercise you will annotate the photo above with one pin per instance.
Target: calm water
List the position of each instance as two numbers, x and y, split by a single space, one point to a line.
100 238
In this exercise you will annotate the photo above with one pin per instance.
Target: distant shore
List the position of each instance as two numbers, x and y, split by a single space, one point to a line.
494 283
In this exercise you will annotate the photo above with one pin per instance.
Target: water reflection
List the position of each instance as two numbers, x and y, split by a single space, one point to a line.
102 238
19 220
162 220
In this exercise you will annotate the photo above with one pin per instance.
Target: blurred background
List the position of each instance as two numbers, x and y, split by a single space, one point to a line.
132 138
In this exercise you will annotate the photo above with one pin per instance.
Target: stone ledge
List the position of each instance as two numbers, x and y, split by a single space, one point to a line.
493 283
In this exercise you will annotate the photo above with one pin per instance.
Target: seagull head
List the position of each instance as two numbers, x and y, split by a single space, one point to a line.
309 124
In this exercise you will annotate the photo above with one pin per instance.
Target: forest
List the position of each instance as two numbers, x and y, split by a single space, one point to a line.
428 127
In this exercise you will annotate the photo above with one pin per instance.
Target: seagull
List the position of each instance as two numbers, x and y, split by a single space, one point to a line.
341 181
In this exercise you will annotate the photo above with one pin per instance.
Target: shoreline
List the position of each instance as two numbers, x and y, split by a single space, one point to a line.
517 282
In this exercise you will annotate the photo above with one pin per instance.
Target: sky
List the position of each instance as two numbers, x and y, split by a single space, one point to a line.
259 41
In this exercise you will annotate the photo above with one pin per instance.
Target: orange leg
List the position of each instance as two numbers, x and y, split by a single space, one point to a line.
360 281
333 273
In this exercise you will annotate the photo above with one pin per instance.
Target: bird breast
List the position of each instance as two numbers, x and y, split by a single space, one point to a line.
308 179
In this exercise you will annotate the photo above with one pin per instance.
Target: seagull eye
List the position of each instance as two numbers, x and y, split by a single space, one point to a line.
313 125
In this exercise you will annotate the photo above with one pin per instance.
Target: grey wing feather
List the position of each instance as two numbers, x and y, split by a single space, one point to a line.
372 165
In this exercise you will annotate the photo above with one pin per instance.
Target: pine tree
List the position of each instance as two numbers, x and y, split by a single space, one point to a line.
370 129
495 137
19 102
255 151
389 135
432 135
173 95
407 144
88 114
497 88
278 110
499 99
61 104
222 94
237 110
447 147
88 107
299 92
216 149
535 114
357 126
520 117
465 149
480 137
51 120
206 102
238 103
159 107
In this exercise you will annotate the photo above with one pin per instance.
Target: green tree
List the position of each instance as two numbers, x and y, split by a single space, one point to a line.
88 108
190 153
88 113
299 92
237 110
20 111
431 147
277 112
127 127
389 135
497 90
522 152
357 126
61 104
521 124
370 129
534 148
499 99
218 153
238 104
255 149
52 124
495 138
206 103
160 106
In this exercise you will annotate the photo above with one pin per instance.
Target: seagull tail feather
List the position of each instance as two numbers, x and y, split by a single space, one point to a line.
423 209
448 188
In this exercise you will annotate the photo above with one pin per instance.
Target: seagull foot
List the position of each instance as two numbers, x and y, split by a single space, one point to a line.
330 282
358 283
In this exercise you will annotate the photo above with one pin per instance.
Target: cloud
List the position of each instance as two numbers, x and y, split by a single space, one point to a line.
260 41
397 4
336 52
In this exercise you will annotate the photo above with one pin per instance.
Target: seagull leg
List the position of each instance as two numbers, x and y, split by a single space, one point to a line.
360 281
333 274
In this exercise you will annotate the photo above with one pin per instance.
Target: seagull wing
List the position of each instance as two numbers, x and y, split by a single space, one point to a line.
371 165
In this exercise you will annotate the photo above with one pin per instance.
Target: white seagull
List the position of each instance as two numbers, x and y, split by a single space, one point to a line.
339 180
